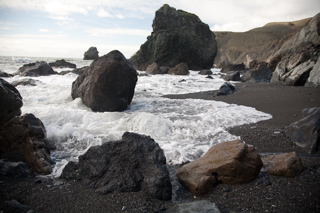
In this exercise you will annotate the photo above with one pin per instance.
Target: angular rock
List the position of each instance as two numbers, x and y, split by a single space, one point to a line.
10 102
15 169
232 162
226 89
108 84
177 36
36 69
25 82
232 67
287 164
305 133
4 74
179 69
153 69
91 54
62 64
134 163
24 139
258 72
232 76
314 76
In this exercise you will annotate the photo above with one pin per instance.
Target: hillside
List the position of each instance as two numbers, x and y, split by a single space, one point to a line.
259 43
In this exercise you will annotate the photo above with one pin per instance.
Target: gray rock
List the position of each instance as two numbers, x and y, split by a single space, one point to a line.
36 69
314 76
226 89
62 64
177 36
91 54
232 67
194 207
108 84
258 72
10 102
205 72
232 76
153 69
5 75
15 169
179 69
25 82
134 163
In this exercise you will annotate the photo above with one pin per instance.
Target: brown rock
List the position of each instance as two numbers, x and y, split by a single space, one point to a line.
287 164
231 162
180 69
153 69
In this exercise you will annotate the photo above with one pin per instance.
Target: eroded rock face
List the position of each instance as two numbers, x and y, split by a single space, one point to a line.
231 162
177 36
24 139
36 69
134 163
287 164
108 84
10 102
91 54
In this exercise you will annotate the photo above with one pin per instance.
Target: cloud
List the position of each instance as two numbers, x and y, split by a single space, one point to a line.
103 14
100 32
43 30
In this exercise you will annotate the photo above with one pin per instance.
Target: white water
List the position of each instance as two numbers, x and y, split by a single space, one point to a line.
184 129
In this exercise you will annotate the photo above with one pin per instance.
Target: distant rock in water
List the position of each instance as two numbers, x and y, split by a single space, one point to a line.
177 36
5 75
25 82
134 163
91 54
108 84
179 69
62 64
36 69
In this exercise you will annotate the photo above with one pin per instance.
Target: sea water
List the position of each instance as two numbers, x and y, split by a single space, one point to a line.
184 129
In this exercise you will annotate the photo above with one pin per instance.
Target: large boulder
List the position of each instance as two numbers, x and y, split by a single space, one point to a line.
305 133
258 72
226 89
134 163
91 54
177 36
232 162
314 76
10 102
23 138
108 84
62 64
232 67
38 68
179 69
287 164
153 69
5 75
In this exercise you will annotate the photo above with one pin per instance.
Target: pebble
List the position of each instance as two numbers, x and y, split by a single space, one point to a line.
124 208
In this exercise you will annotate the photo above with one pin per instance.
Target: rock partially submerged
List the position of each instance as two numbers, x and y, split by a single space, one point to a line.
226 89
179 69
231 162
62 64
134 163
91 54
108 84
36 69
177 36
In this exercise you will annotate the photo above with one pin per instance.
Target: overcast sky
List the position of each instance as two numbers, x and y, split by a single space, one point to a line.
68 28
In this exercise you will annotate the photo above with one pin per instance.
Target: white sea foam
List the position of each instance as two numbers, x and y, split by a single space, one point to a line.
184 129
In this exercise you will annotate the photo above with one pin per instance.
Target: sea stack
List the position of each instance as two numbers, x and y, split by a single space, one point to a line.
91 54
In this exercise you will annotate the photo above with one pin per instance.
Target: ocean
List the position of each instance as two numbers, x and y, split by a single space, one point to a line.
184 129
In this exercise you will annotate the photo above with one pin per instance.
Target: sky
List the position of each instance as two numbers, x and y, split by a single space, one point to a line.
67 28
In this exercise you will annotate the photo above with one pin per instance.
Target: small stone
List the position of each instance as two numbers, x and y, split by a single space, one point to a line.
38 181
124 208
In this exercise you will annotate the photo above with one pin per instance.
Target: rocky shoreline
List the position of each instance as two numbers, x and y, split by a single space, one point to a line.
266 193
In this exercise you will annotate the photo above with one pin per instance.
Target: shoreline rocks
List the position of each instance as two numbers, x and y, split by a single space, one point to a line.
91 54
62 64
36 69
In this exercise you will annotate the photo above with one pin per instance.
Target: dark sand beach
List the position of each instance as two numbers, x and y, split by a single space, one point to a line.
264 194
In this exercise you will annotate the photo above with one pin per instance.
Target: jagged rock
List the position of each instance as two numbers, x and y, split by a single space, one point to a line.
4 74
177 36
179 69
232 162
153 69
15 169
226 89
134 163
35 69
258 72
62 63
10 102
287 164
24 139
108 84
91 54
314 76
232 67
232 76
306 132
25 82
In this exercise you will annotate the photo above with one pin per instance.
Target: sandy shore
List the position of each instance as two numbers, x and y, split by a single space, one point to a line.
265 194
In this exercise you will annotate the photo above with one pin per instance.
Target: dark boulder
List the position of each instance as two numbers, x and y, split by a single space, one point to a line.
10 102
226 89
4 74
25 82
62 64
232 76
134 163
15 169
108 84
36 69
24 139
177 36
205 72
259 72
179 69
91 54
153 69
232 67
77 71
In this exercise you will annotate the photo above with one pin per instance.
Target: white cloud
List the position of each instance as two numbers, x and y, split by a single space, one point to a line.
100 32
103 14
43 30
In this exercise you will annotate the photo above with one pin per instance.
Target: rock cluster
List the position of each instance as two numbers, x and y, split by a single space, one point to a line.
177 36
134 163
36 69
108 84
91 54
